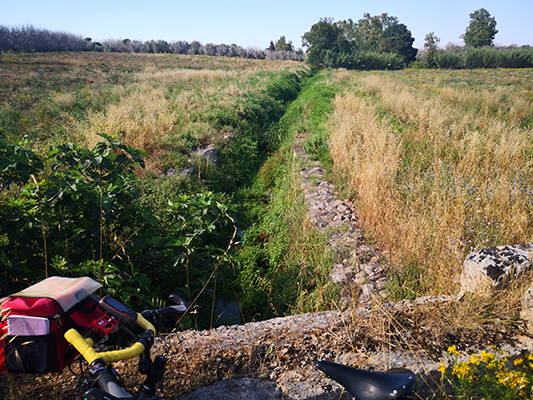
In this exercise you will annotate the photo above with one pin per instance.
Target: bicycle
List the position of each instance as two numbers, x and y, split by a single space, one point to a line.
102 382
35 320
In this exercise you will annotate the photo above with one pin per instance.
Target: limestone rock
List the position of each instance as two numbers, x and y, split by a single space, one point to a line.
341 273
494 267
208 152
229 389
305 384
527 308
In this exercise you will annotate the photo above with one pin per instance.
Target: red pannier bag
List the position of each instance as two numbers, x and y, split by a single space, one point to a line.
34 320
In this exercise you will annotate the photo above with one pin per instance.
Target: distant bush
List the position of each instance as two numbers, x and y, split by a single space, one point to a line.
485 57
364 60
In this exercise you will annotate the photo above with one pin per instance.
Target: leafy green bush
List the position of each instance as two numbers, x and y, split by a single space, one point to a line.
80 207
76 211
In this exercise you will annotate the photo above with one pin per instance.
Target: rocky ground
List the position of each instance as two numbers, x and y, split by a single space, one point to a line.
359 262
275 359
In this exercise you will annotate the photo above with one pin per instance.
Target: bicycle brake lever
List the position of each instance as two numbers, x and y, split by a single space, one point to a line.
156 317
178 301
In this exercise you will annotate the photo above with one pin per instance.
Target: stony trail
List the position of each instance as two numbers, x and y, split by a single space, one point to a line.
359 265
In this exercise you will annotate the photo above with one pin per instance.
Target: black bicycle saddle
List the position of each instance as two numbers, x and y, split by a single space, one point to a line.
369 385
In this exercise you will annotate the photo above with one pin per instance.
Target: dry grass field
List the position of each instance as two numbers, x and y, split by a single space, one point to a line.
440 163
149 101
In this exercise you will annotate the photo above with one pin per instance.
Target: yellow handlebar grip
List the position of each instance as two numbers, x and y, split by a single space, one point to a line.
85 346
144 323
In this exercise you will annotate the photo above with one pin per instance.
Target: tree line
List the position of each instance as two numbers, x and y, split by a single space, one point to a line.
372 42
382 42
29 39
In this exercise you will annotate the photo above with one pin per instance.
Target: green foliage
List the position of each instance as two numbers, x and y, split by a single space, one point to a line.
83 205
481 30
485 58
431 47
282 246
257 132
350 45
283 264
307 113
283 45
396 38
323 37
17 164
365 60
285 89
83 212
366 34
490 375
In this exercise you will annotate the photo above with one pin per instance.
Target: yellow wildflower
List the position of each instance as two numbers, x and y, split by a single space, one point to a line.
518 361
452 349
486 357
462 370
512 379
474 359
442 368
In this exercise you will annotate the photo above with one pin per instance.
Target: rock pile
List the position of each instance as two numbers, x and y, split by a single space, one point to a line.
359 265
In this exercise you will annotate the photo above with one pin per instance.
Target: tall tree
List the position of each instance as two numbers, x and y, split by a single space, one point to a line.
481 30
431 46
365 34
324 37
396 38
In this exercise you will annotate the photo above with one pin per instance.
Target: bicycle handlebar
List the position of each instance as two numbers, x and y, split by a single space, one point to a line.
84 345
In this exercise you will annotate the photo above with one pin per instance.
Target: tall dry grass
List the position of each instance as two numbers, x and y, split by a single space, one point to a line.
161 105
142 115
436 177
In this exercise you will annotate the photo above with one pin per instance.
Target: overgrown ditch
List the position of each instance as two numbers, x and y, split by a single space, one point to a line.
144 238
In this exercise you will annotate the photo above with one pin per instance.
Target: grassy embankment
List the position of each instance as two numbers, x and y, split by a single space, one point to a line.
440 163
285 260
169 105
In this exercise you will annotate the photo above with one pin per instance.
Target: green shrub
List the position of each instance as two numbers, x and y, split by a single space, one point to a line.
77 212
485 57
448 60
364 60
490 375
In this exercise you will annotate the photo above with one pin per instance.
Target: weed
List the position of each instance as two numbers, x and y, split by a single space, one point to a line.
488 375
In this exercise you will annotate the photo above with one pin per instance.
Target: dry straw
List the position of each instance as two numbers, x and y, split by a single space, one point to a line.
437 172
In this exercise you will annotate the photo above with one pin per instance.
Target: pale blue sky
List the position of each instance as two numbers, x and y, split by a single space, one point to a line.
254 23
